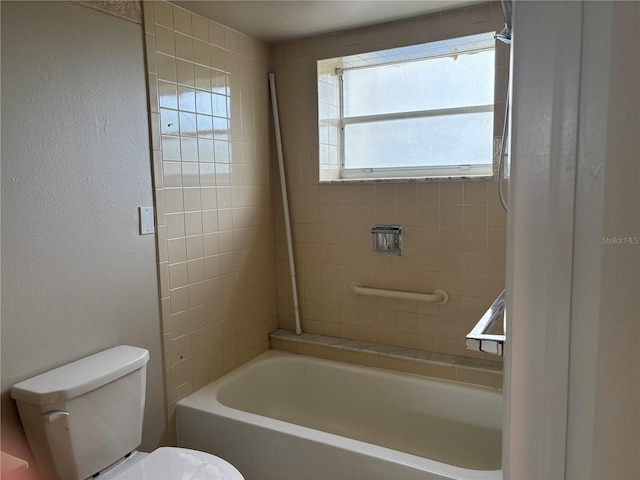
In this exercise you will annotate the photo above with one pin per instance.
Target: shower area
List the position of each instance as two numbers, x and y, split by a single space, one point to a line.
225 280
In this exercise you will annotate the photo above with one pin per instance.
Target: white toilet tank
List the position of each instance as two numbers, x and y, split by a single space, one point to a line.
84 416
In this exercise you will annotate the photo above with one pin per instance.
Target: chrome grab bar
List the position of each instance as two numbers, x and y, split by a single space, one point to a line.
481 341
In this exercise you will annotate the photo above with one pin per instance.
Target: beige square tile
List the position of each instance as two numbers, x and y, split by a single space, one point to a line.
497 263
182 20
180 324
201 53
181 358
216 34
169 122
198 318
217 58
200 26
185 73
203 80
177 275
476 192
176 250
212 267
165 41
475 216
224 197
190 175
207 174
231 40
163 14
497 239
168 95
189 149
205 126
208 198
195 247
193 223
451 193
186 98
475 239
497 217
192 200
173 200
166 66
225 219
172 174
183 47
203 101
475 285
205 150
195 271
196 294
209 221
226 241
451 216
175 225
475 262
429 193
188 126
179 299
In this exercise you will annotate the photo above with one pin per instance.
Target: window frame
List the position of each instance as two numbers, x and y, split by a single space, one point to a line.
408 173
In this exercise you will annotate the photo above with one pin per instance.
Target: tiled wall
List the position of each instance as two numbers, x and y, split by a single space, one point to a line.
454 232
211 158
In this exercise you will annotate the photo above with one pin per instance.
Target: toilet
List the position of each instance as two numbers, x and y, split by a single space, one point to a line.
84 420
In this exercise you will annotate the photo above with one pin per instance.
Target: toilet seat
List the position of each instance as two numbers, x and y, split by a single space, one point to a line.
173 463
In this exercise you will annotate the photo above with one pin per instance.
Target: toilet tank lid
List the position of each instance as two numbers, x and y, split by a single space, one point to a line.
81 376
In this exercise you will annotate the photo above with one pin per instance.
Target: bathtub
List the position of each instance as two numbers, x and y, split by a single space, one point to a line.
285 416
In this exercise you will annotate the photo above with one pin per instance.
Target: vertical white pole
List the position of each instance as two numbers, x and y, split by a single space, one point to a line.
285 202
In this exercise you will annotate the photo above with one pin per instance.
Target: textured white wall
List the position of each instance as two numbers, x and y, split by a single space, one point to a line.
76 276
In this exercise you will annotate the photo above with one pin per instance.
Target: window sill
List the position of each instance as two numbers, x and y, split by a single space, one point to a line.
449 178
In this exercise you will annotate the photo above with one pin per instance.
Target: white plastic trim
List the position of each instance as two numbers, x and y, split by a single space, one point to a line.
285 202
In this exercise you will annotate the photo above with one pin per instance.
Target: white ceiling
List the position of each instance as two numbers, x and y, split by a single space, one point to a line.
275 21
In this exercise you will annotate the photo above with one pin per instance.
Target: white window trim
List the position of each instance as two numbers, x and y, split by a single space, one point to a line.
425 173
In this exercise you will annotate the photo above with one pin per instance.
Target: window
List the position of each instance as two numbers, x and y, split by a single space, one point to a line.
419 111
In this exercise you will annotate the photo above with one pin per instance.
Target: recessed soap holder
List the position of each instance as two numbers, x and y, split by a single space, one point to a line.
386 239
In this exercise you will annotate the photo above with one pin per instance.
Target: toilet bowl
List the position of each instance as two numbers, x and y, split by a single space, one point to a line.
84 419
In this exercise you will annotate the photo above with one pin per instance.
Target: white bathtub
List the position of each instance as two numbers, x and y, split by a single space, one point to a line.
285 416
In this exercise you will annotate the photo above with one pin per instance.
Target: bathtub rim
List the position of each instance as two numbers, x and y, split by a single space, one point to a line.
206 399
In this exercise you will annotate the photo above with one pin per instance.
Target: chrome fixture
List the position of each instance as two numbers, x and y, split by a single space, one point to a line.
479 339
386 239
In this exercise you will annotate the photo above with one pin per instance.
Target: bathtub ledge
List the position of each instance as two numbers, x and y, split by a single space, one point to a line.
432 364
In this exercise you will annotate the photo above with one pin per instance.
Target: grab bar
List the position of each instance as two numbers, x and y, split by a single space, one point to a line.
479 340
439 297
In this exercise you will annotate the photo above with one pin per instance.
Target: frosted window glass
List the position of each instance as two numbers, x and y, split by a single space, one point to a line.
428 84
463 139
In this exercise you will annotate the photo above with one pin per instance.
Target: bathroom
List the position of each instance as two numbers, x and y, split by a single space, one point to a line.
79 278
